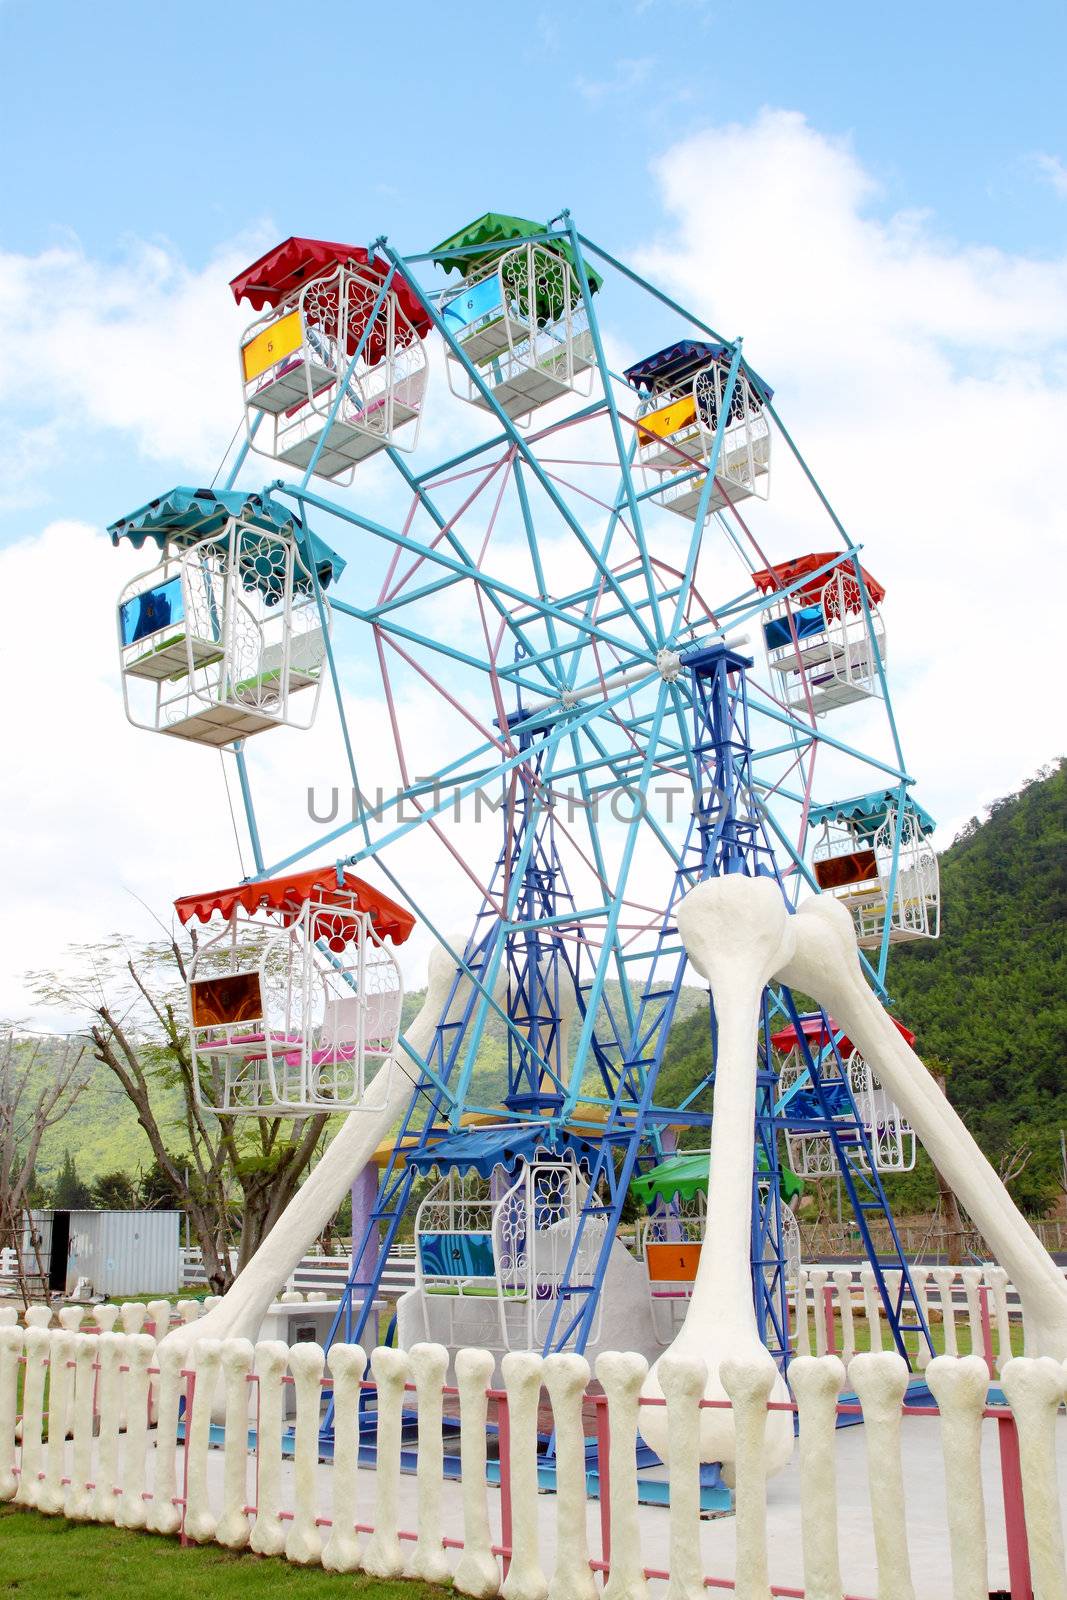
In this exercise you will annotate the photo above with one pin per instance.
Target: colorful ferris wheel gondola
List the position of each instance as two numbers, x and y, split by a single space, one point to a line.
336 363
225 636
874 854
685 385
825 638
518 317
294 1000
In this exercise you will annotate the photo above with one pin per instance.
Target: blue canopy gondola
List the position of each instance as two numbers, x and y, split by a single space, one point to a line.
482 1150
677 364
868 812
185 516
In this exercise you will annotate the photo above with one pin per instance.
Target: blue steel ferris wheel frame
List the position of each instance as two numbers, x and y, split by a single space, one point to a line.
554 730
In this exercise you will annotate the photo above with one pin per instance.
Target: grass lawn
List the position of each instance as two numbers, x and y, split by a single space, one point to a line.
53 1559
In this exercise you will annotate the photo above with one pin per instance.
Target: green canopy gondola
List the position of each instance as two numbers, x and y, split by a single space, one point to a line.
686 1174
498 232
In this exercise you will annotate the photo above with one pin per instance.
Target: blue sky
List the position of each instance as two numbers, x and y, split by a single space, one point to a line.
876 198
194 121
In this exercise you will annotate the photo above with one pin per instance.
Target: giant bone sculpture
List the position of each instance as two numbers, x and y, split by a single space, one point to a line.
739 934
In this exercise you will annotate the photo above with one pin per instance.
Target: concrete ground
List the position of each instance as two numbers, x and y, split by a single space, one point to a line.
924 1490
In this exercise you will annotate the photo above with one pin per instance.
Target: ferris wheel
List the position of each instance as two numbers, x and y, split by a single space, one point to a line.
600 672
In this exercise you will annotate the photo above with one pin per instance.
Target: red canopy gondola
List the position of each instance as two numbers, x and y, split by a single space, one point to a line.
291 893
818 1038
784 573
297 261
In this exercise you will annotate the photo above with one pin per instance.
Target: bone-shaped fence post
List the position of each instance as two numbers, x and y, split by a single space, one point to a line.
271 1361
38 1344
168 1388
960 1387
477 1573
737 933
919 1279
342 1549
303 1542
843 1285
872 1306
881 1381
233 1530
972 1278
683 1380
390 1370
750 1384
70 1320
52 1496
200 1519
105 1318
621 1376
816 1385
522 1374
945 1278
1034 1388
567 1379
429 1364
79 1503
802 1343
825 964
133 1316
997 1280
132 1510
818 1277
12 1340
110 1351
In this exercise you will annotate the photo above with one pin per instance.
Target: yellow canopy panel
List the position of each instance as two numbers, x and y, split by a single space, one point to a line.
667 420
277 340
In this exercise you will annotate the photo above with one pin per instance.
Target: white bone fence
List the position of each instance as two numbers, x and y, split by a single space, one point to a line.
108 1431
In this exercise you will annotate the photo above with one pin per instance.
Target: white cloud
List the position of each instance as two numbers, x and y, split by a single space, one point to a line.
926 383
626 74
1054 172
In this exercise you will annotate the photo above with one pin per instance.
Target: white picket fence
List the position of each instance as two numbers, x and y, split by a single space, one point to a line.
320 1274
127 1437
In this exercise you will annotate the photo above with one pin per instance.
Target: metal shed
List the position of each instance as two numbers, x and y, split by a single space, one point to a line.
119 1252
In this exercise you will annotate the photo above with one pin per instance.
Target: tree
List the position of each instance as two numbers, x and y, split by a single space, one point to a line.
40 1079
69 1193
235 1175
115 1191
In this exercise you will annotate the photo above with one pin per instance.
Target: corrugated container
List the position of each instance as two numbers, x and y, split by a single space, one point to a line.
120 1252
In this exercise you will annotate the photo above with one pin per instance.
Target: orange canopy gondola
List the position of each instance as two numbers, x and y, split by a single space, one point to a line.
291 893
770 579
297 261
818 1038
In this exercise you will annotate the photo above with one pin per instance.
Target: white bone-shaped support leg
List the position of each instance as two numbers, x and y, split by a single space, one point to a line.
738 933
132 1508
567 1379
233 1531
750 1384
477 1573
1034 1390
200 1518
429 1363
816 1385
522 1374
342 1550
881 1381
303 1542
622 1377
391 1371
826 966
683 1380
60 1393
272 1359
960 1388
241 1310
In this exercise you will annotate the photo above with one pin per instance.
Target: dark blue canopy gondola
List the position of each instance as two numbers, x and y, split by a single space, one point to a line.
678 363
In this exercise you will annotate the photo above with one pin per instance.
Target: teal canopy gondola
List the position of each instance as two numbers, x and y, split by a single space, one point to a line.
685 1175
868 812
498 232
185 516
